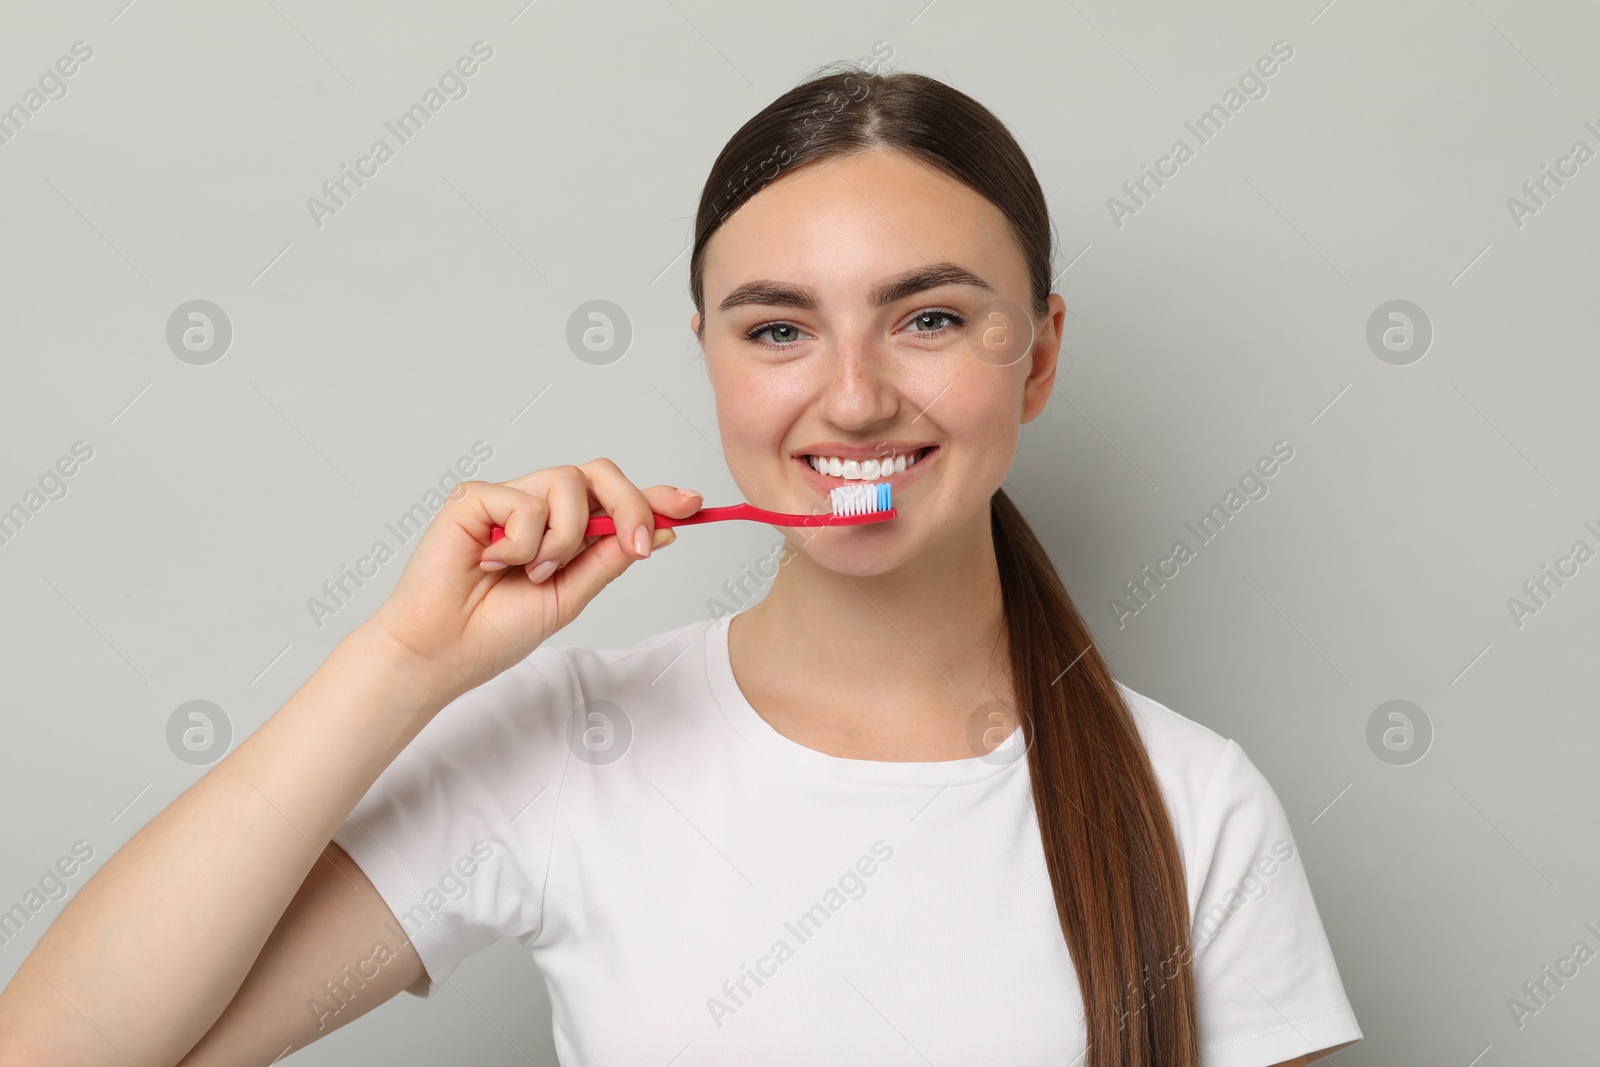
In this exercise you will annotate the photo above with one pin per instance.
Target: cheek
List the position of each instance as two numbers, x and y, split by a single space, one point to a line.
980 414
757 404
976 402
750 422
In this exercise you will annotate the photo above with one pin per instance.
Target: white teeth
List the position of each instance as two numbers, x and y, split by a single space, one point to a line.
861 470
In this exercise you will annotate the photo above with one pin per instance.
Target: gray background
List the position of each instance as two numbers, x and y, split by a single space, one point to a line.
1230 312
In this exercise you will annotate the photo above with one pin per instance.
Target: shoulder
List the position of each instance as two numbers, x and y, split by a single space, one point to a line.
660 679
539 695
639 666
1184 754
1211 787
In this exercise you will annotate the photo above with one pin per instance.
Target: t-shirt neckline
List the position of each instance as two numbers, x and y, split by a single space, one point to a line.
761 735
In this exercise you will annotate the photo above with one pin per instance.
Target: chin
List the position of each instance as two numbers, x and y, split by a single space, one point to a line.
844 550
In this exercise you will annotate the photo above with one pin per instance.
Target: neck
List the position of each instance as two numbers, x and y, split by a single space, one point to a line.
912 651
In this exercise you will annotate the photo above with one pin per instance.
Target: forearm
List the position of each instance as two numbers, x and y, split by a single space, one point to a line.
140 964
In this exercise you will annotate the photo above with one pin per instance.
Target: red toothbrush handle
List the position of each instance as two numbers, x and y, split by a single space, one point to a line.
602 524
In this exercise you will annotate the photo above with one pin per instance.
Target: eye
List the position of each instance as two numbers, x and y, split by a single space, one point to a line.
952 320
785 334
934 322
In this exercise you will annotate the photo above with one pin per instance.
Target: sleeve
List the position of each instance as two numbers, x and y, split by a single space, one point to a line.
1267 987
456 833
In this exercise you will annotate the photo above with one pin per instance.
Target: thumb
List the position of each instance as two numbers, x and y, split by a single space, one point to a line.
598 566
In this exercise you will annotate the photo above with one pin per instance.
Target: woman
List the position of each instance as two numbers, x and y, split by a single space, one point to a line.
898 811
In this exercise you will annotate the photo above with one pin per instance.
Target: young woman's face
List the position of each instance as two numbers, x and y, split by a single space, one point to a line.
872 307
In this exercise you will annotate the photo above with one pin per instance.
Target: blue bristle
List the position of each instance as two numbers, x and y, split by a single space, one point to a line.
883 496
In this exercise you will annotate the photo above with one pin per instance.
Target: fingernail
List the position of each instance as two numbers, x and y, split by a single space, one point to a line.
664 536
641 540
690 493
542 571
492 565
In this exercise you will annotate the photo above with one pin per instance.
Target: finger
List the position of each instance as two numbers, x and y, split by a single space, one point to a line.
581 580
604 558
618 497
664 499
523 527
537 483
567 494
475 507
667 500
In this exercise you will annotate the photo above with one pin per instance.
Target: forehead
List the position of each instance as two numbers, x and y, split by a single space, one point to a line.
844 224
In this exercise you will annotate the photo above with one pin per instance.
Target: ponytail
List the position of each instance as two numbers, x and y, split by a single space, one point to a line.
1108 842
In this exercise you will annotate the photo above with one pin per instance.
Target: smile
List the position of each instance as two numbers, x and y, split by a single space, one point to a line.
898 469
866 469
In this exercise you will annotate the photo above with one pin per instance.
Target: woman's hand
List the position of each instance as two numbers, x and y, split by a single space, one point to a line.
464 609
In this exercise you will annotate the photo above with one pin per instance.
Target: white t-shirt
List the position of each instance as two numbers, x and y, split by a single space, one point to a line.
697 888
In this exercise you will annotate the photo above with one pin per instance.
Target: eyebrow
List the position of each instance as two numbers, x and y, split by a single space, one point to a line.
780 294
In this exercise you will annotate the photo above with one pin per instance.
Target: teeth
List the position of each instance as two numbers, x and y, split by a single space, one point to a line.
861 470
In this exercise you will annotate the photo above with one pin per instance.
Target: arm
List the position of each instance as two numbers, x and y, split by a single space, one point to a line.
144 960
175 927
322 967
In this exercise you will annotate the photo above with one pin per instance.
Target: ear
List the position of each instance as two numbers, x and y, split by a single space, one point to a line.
694 324
1046 355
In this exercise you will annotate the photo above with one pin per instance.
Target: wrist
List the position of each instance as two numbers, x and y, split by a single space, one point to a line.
408 683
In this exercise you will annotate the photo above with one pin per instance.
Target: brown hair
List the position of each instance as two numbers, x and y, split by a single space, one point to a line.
1109 845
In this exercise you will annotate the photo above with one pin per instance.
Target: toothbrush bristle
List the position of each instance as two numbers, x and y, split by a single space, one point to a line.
860 499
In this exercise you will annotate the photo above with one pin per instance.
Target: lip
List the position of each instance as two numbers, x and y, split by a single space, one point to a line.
877 451
825 483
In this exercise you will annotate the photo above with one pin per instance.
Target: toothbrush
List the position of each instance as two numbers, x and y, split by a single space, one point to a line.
852 506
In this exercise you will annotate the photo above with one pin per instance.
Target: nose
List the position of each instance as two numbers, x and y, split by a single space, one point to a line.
861 390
